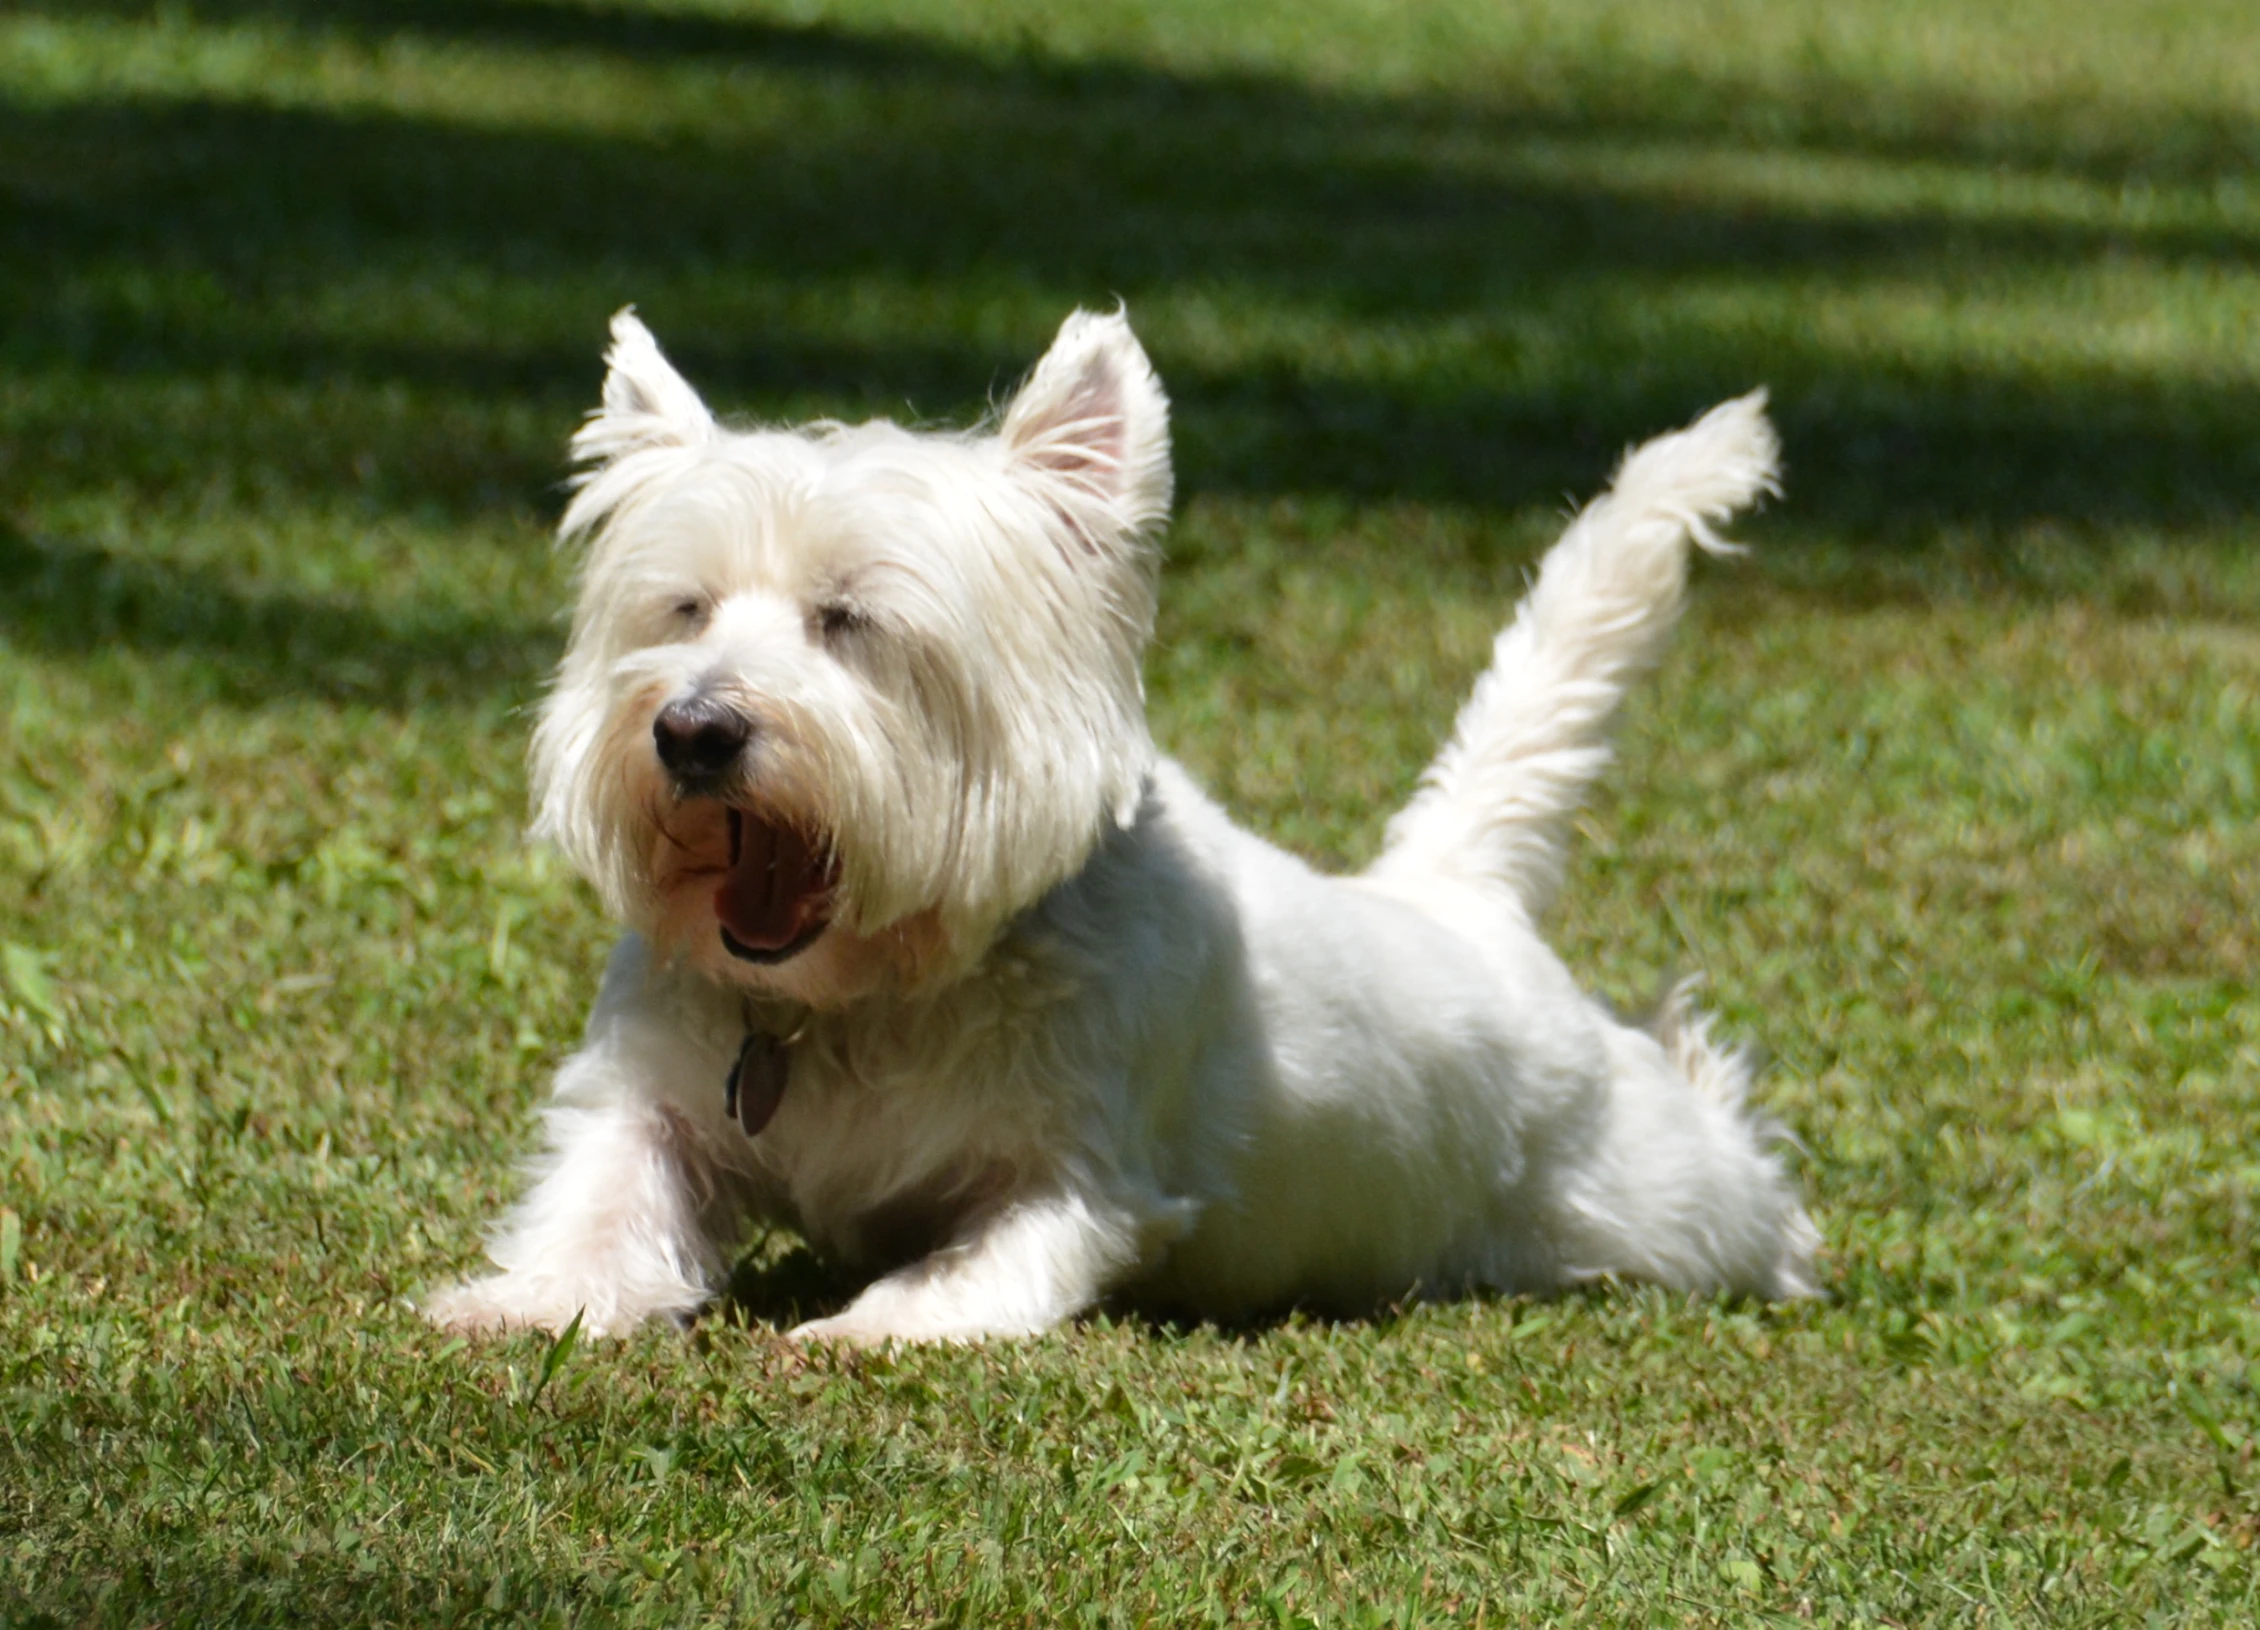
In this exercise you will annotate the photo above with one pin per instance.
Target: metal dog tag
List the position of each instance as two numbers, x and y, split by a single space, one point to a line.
755 1085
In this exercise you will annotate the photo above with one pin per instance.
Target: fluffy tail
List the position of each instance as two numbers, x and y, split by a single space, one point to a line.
1497 802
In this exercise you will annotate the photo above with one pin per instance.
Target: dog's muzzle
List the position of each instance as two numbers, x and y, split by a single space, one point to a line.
775 898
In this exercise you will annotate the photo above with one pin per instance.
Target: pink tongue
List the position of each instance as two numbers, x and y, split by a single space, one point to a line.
778 886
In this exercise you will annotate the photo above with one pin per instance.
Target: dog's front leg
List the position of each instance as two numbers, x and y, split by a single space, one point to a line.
1016 1270
611 1232
627 1216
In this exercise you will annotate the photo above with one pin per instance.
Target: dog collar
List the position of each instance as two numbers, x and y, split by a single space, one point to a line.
755 1085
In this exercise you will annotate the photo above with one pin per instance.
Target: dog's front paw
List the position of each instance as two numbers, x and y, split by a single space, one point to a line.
485 1307
845 1330
864 1327
885 1314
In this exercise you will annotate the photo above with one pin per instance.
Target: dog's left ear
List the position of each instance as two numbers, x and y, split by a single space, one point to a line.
1089 432
646 402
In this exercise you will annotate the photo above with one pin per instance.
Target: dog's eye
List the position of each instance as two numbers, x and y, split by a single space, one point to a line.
692 611
836 617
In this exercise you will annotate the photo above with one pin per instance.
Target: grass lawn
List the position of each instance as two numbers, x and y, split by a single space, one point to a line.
1950 788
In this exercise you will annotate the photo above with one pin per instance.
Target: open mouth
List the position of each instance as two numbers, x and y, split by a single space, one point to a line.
776 898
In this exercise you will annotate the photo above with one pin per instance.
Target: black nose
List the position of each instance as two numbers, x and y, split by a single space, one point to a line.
699 739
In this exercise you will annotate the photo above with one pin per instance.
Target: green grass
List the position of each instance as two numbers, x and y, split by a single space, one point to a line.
1950 789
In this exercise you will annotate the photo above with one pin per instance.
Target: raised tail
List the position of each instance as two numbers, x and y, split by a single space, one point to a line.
1497 802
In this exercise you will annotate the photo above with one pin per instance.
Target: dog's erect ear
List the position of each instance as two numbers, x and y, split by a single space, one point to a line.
1090 431
646 402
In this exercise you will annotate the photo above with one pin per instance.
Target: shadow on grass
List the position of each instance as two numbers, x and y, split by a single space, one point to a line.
436 286
65 597
785 1282
1821 110
779 1288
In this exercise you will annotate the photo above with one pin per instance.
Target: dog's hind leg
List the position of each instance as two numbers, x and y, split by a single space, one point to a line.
1674 1180
1497 802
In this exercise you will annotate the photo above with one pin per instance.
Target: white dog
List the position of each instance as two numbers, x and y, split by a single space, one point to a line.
932 957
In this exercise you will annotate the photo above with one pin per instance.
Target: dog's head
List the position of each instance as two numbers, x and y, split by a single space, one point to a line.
841 700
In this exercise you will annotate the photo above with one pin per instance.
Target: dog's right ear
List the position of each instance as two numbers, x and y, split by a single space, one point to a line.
646 402
1089 432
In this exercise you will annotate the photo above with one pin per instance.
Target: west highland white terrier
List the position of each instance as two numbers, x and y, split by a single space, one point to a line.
932 957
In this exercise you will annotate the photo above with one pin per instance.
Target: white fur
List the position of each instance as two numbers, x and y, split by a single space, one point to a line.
1071 1033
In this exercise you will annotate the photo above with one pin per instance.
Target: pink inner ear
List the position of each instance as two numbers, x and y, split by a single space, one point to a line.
623 394
1082 437
1081 440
